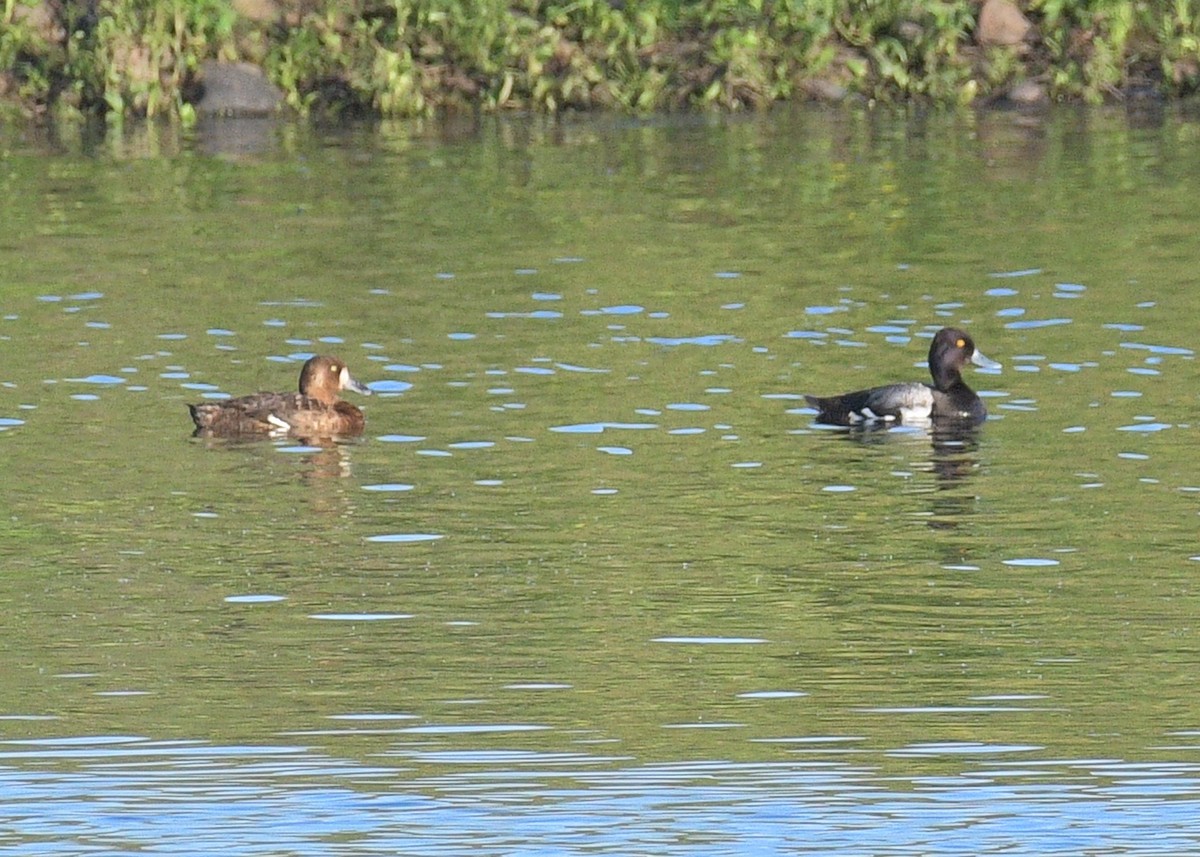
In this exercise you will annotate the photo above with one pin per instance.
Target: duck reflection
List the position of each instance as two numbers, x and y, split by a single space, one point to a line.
954 446
947 449
327 459
954 460
321 457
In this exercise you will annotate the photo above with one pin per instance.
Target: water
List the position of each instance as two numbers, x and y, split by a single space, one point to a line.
593 581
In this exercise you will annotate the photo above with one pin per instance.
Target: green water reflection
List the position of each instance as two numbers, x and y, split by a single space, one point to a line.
709 577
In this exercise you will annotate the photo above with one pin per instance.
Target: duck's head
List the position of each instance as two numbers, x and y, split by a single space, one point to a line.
952 349
323 377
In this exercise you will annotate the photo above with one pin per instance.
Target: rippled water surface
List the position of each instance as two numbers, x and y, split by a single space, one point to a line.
593 581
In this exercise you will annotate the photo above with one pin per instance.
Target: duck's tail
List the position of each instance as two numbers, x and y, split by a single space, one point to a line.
203 414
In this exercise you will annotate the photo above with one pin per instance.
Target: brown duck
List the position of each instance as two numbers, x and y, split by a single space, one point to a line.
316 411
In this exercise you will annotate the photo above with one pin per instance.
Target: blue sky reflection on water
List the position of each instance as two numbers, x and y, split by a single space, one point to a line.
126 796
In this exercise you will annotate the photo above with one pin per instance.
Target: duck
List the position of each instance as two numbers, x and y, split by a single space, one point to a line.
913 402
315 412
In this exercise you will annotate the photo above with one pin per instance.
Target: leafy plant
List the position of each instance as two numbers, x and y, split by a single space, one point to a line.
416 57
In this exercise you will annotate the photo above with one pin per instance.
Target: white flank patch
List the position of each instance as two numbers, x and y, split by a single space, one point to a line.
866 415
914 416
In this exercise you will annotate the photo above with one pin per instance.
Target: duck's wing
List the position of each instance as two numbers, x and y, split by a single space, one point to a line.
895 403
253 414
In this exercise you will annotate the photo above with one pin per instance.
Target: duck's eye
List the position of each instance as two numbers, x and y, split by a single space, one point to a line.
962 343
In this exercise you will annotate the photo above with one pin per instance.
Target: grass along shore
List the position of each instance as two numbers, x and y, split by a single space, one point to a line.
128 58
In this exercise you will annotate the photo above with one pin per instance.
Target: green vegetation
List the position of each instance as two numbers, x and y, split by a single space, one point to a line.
415 57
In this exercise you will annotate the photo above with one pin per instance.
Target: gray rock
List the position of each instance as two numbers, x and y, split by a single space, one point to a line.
258 10
235 89
1001 23
1028 93
821 89
44 18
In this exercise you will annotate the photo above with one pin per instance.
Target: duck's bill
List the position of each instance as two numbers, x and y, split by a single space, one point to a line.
350 383
983 361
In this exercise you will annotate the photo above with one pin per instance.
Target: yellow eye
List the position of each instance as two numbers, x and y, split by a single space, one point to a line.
960 343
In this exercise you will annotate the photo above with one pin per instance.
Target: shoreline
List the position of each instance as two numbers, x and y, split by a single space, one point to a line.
122 59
